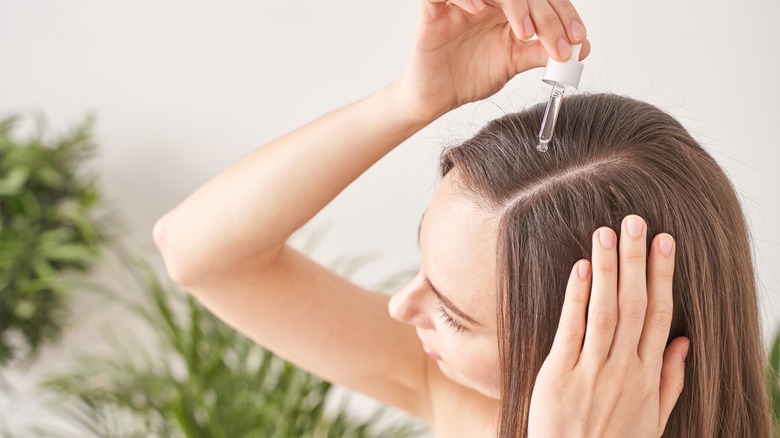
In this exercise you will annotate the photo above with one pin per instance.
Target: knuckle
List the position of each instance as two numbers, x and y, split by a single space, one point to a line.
548 19
648 386
636 381
460 3
577 297
517 6
605 267
665 273
562 5
618 377
633 310
570 332
604 320
634 255
662 318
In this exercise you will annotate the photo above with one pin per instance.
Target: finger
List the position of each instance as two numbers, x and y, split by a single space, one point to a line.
572 23
658 320
532 54
519 18
672 379
550 30
529 54
567 344
433 8
585 49
632 288
602 309
473 7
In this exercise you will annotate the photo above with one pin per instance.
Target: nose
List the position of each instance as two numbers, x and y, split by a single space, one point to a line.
408 305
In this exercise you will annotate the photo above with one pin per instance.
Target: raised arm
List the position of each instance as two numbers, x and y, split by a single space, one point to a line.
244 215
226 243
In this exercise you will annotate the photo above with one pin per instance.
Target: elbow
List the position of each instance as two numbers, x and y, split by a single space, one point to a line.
157 233
162 240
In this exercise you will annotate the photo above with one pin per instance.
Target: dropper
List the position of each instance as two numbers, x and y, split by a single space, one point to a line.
563 76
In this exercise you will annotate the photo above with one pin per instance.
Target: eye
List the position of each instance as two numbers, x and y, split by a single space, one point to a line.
451 322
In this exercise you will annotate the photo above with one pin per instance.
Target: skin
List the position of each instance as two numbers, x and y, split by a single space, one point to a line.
457 57
461 54
456 244
620 379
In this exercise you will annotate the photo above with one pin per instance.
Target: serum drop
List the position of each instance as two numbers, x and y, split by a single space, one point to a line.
563 76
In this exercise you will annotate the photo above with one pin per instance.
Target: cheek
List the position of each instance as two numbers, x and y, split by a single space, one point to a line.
472 364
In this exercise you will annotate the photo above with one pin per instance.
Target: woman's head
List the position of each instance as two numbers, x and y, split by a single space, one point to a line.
506 211
452 300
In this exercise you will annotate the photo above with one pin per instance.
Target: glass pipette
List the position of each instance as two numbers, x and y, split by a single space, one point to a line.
563 76
550 116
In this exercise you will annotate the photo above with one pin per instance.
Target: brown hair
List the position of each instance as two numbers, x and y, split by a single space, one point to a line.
612 156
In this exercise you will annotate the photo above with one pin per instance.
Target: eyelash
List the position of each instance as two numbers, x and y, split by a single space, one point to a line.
451 322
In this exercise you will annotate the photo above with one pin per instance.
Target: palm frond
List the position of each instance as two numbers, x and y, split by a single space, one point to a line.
202 378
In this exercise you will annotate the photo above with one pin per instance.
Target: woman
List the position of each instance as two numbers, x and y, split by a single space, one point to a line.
528 218
523 334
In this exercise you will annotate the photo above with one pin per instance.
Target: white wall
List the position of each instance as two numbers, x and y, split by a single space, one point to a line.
184 88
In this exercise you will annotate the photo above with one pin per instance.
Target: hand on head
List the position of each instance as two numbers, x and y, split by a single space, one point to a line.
610 371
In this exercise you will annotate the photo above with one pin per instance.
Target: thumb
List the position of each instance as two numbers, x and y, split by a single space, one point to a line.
528 54
672 379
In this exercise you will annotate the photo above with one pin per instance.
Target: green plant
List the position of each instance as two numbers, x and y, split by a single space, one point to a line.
46 232
773 380
204 380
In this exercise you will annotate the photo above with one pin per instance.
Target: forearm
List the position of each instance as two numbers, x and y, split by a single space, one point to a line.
251 208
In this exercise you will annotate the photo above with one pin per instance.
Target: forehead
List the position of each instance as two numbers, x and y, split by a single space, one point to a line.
458 249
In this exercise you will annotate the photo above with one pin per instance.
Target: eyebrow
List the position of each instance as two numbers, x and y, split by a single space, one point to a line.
438 294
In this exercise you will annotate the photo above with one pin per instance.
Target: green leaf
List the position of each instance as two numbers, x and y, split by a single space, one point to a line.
13 181
70 253
773 376
24 309
49 176
206 380
31 208
90 196
54 237
43 269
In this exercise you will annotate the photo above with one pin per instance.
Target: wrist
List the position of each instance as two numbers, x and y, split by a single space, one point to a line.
407 108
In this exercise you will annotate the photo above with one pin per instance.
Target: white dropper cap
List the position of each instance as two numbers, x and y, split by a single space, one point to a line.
565 73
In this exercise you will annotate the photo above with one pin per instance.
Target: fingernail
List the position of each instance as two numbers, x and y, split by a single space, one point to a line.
634 225
685 350
583 269
666 243
577 30
479 4
528 26
607 238
564 48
